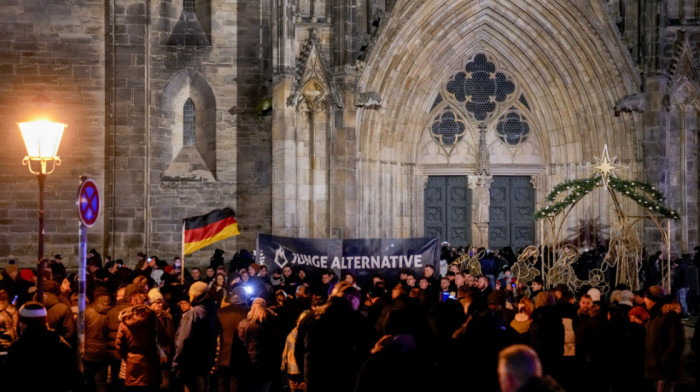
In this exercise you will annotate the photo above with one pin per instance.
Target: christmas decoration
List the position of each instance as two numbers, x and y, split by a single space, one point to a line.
625 248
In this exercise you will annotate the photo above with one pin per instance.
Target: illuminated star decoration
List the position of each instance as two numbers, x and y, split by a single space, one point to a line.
606 166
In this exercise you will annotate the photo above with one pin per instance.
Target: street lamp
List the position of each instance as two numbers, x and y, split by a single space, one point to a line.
41 137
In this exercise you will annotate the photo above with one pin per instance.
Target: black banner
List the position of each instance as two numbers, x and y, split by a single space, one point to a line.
361 257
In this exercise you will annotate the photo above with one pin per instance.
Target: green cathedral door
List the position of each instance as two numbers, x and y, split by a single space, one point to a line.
447 213
510 213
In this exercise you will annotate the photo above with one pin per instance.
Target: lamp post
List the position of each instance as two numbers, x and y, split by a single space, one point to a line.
41 138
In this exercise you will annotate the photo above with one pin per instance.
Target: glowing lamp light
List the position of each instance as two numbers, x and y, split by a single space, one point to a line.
42 138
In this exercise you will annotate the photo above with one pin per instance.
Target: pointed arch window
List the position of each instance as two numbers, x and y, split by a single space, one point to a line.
188 122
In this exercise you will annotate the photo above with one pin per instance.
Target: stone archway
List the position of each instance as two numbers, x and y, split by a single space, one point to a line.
567 59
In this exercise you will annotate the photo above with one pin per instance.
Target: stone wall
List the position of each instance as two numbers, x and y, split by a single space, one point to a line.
119 71
226 71
57 49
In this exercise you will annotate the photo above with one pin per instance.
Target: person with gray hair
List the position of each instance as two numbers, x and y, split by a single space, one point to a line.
520 370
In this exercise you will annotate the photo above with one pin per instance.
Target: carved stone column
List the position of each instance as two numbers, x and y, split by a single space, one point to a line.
482 194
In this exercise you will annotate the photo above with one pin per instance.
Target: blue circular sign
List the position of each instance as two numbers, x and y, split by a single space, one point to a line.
88 203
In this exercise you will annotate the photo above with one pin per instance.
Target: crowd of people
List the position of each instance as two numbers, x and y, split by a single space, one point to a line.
235 326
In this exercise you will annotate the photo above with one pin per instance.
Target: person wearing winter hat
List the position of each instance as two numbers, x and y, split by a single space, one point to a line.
197 289
595 295
196 339
136 340
154 295
166 334
27 275
56 362
32 314
59 315
653 295
665 341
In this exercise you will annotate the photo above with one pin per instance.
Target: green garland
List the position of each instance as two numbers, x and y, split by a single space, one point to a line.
641 192
649 197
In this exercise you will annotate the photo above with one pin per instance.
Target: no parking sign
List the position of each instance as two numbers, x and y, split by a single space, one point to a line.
88 202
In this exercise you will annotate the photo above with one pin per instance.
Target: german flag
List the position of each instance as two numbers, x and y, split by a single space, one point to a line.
203 230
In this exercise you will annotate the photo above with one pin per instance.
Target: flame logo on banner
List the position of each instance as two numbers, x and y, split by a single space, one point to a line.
280 256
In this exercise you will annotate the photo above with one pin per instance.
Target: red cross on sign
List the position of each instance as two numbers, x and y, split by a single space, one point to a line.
88 202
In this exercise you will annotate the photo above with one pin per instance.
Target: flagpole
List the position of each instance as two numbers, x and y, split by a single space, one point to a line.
182 255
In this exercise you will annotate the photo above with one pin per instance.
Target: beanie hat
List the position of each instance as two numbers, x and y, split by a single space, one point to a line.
11 268
168 269
155 295
595 294
132 289
197 289
32 312
640 313
26 274
51 286
655 293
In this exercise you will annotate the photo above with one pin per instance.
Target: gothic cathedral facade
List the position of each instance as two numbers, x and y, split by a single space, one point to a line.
348 118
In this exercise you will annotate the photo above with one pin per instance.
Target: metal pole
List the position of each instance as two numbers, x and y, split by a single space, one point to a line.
81 292
40 263
182 255
668 255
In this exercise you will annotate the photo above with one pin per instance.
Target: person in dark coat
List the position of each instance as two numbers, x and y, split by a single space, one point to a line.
40 360
58 270
665 341
588 326
166 335
95 359
195 340
547 333
59 315
217 259
136 341
333 341
396 365
232 359
477 343
111 353
622 352
256 334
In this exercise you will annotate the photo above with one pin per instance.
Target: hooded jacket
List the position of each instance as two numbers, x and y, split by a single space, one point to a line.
54 370
665 342
195 340
60 317
112 328
136 344
96 330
